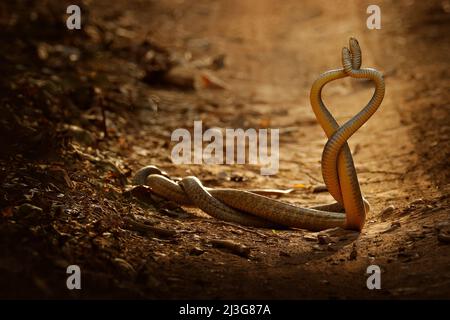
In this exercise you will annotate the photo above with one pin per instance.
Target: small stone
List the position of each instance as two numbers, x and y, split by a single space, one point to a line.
181 77
196 251
444 237
320 188
388 210
309 237
323 239
394 225
317 247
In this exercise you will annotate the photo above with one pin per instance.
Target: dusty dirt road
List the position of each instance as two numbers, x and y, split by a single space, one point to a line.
274 51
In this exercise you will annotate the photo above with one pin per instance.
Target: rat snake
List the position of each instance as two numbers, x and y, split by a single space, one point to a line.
338 170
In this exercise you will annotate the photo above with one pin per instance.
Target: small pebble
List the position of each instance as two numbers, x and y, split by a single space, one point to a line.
323 239
388 210
318 247
417 201
196 251
320 188
394 225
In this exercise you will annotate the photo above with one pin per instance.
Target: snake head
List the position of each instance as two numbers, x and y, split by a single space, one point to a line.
355 51
353 43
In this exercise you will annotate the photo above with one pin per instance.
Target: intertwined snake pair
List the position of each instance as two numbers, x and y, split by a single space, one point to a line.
339 174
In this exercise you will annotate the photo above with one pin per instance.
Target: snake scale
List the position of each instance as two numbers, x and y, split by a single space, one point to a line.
338 170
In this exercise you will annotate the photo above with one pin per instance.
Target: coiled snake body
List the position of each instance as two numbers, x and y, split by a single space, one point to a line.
338 170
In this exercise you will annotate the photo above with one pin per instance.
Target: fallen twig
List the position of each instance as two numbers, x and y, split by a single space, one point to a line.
319 188
234 247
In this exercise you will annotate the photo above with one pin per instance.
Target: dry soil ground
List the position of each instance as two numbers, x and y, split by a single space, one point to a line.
273 52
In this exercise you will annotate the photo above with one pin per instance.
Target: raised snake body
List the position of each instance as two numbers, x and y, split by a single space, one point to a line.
338 170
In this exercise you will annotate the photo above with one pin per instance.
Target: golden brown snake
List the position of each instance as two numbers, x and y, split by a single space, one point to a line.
338 170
